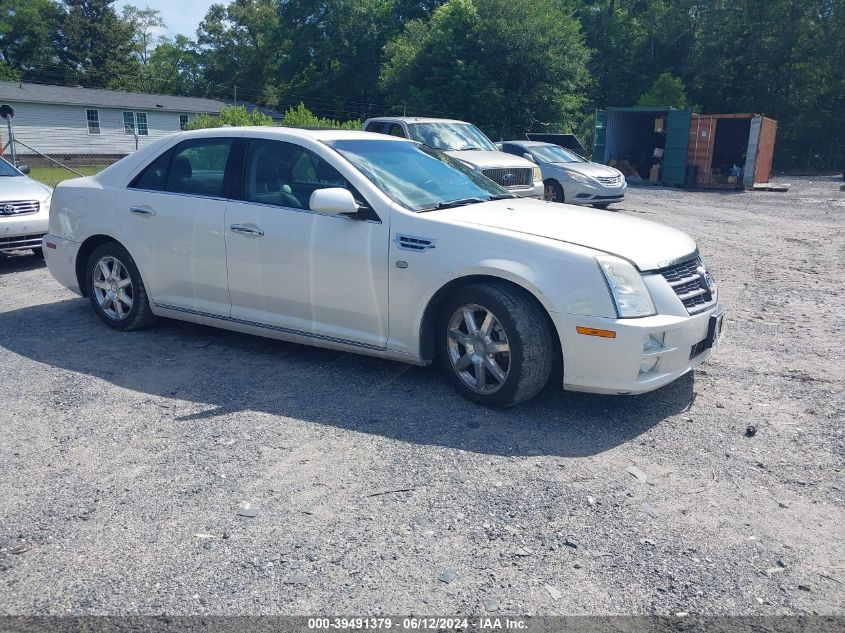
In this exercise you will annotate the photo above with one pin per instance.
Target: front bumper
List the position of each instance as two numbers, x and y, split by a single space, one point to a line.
582 193
22 232
613 365
535 191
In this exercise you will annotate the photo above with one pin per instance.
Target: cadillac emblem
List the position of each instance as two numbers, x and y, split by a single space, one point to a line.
705 279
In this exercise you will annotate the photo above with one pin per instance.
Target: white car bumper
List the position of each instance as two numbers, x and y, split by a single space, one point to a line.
22 232
60 255
582 193
600 364
529 192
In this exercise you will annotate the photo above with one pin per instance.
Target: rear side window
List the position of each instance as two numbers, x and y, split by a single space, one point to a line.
196 167
376 126
199 167
154 175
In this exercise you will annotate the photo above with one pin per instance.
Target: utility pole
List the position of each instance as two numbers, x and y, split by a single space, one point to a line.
236 96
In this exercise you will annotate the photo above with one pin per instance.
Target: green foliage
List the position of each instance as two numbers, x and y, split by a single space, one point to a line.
300 116
234 116
667 90
506 65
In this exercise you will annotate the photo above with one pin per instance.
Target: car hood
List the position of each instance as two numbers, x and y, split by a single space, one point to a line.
22 188
487 159
647 244
594 170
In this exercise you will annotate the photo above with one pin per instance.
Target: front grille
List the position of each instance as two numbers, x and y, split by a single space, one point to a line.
610 181
19 207
692 283
20 243
509 178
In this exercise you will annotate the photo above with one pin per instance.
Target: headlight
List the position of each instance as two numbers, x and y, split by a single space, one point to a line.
538 175
627 287
574 175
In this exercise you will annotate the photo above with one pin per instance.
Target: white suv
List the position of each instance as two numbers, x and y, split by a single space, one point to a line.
467 143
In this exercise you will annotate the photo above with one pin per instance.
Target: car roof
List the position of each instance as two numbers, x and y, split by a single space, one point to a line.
323 135
531 143
415 119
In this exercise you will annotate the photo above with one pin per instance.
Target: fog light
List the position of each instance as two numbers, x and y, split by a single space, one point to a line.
654 342
648 365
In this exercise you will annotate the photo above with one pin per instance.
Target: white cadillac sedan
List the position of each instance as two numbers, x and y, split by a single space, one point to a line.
383 246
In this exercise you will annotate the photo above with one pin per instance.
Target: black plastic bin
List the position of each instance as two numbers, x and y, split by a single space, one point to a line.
690 176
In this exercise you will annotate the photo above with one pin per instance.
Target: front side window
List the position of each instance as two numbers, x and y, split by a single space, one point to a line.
284 174
375 126
396 130
418 177
141 117
449 136
93 117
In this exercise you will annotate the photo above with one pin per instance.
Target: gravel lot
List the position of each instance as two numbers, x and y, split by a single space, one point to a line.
377 490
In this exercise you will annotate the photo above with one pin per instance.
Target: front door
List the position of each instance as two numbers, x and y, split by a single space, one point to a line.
173 216
300 272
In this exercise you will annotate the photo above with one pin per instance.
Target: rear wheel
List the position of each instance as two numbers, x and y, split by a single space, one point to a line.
552 191
115 288
495 344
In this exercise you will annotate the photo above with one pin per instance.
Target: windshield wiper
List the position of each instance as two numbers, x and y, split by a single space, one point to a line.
451 204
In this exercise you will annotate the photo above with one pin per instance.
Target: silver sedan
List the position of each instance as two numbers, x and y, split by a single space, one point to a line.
567 177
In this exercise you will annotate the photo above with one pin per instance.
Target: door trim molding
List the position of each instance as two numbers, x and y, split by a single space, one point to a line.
273 328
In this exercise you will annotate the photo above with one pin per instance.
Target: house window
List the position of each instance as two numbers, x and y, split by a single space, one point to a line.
183 122
93 117
130 119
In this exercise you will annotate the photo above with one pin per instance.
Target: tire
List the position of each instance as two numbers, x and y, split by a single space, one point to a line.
552 191
518 329
120 304
38 252
603 205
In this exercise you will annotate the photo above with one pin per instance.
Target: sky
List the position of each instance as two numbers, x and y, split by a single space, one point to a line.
181 16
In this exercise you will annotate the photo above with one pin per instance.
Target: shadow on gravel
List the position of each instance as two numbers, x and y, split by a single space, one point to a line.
220 373
18 263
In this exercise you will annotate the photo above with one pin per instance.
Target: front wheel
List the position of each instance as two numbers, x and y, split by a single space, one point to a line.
115 288
495 344
552 191
603 205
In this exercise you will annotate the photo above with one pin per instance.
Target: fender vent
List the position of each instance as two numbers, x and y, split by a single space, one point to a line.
411 243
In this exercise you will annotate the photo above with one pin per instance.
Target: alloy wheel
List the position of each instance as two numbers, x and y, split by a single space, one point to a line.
550 193
112 287
478 348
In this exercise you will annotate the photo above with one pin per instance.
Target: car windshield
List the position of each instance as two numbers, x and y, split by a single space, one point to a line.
450 136
419 178
555 154
7 170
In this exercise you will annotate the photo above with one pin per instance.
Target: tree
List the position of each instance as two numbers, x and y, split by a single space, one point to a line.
236 116
29 33
98 47
145 23
667 90
300 116
507 65
176 67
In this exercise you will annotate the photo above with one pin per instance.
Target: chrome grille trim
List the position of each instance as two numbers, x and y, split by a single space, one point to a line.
19 207
510 178
610 181
692 283
20 243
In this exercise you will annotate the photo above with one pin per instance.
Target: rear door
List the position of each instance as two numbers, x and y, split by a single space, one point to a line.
677 142
173 215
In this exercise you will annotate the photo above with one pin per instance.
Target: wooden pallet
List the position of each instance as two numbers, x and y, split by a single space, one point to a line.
770 186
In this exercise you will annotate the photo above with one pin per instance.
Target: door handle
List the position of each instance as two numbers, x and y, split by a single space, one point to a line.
141 211
247 230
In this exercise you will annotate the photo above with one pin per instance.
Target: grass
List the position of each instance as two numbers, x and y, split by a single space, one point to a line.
52 176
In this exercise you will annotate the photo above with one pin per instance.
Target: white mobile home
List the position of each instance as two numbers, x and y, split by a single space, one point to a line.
77 124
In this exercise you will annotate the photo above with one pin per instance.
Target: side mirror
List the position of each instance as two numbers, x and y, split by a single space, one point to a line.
334 200
528 156
24 169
